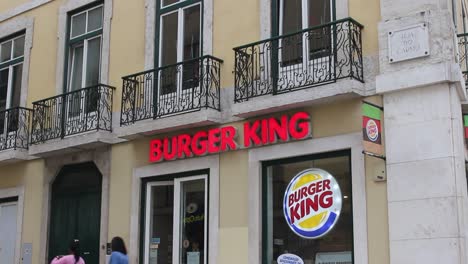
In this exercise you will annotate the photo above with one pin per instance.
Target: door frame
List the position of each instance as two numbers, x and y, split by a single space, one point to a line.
208 165
101 158
10 193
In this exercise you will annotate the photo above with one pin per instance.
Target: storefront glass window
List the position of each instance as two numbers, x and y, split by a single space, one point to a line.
176 222
336 246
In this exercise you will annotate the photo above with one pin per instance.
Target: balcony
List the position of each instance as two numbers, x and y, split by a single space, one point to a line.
189 90
73 120
462 53
14 133
294 63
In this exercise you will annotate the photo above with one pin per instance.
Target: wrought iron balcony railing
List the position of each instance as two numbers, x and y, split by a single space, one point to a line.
311 57
462 53
174 89
71 113
14 128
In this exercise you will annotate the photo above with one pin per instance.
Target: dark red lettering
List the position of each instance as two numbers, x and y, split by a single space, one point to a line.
227 138
250 133
155 154
326 185
214 140
311 203
299 127
199 143
294 212
326 199
183 147
276 130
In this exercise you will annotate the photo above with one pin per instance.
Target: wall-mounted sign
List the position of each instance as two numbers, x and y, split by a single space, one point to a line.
408 43
372 128
312 203
289 259
256 133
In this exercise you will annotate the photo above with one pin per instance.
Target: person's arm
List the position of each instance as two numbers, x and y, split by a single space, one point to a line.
57 260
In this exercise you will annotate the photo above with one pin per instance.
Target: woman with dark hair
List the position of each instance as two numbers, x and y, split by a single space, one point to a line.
119 252
73 256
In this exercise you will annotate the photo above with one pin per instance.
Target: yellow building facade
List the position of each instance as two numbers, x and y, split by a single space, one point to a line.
107 81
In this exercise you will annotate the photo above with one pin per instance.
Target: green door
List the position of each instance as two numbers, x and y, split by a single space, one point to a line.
76 211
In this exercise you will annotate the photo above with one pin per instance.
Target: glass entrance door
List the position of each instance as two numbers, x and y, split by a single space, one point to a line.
176 224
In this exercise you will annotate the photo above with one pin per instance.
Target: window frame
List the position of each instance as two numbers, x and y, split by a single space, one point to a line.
85 38
162 11
11 64
164 180
264 193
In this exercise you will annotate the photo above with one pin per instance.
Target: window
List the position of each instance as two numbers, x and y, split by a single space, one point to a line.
336 245
84 48
179 41
297 15
84 61
11 71
176 221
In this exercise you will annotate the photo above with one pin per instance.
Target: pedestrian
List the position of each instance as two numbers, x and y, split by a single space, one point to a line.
119 252
73 256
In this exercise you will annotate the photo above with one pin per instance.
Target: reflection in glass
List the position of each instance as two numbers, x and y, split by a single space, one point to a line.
291 47
320 39
94 19
16 89
192 229
77 68
169 53
3 97
78 25
5 51
191 46
18 50
169 2
161 225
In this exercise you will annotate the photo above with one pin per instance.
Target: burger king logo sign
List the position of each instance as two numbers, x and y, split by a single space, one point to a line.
372 130
312 203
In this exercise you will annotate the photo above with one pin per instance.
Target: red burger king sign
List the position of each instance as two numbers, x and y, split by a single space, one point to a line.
312 203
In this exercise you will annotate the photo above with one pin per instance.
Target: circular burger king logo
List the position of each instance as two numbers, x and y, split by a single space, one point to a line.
312 203
372 130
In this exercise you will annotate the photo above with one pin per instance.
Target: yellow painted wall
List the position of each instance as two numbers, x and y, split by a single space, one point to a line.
367 12
29 175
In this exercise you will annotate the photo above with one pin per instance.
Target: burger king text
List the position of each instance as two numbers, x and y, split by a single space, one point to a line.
257 133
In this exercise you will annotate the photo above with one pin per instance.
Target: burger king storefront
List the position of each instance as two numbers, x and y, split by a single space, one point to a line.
264 190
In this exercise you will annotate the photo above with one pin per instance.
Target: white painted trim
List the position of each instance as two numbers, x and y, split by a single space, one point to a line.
11 27
21 9
150 30
101 158
307 147
71 5
178 166
19 192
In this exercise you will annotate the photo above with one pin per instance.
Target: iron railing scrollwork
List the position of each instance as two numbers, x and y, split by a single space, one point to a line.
14 128
174 89
462 54
71 113
311 57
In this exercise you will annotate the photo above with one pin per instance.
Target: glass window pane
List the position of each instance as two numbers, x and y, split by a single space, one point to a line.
161 224
291 47
319 12
5 51
16 89
76 68
192 235
78 25
337 245
18 49
93 62
3 88
95 19
168 76
168 2
319 39
169 39
191 32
